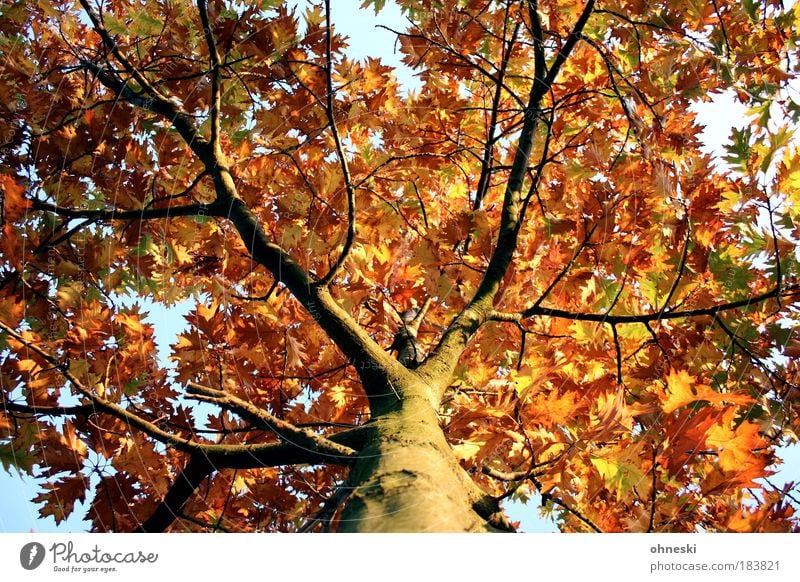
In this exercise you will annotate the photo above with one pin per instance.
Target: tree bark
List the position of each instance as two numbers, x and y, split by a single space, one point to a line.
407 479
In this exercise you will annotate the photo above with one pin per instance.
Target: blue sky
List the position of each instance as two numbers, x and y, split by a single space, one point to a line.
17 513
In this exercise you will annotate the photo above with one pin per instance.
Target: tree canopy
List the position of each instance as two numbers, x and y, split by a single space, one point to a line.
533 245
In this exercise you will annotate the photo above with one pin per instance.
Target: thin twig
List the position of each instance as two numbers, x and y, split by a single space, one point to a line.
348 183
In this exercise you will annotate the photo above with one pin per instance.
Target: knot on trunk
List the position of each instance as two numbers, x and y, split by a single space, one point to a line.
405 344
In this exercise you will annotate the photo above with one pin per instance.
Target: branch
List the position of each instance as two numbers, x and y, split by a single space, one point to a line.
112 46
488 157
572 39
788 291
656 341
548 497
380 368
438 367
754 358
681 267
539 65
340 326
302 438
256 456
612 68
523 338
618 350
35 410
342 449
507 476
405 340
183 193
119 214
215 84
567 268
328 509
517 475
724 30
776 250
159 105
101 404
263 297
155 100
467 62
195 471
421 204
348 183
653 493
403 157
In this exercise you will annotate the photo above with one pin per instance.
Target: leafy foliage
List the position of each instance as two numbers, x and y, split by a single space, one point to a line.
607 314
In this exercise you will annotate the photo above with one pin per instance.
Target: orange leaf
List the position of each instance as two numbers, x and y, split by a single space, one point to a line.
14 202
736 445
682 389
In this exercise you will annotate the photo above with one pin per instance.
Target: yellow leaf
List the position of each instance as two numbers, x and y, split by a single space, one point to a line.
27 366
131 324
466 451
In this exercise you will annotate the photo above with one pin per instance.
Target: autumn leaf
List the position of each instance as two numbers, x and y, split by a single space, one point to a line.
294 353
14 202
60 496
621 468
735 443
683 389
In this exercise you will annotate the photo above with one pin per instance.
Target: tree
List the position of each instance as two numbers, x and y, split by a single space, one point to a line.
411 306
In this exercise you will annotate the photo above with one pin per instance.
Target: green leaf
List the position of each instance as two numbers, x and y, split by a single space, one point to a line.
16 458
114 25
145 25
376 4
133 385
793 109
739 148
751 9
777 141
734 275
650 288
144 247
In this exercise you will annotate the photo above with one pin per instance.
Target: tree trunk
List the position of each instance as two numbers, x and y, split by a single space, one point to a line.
407 479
